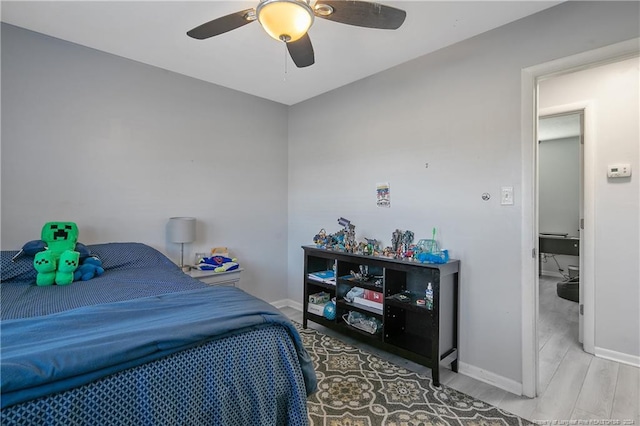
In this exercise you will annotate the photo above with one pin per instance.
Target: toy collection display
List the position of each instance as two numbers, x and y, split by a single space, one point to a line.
402 246
58 256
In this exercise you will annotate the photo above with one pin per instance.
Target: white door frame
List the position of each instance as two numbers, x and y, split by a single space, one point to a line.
529 238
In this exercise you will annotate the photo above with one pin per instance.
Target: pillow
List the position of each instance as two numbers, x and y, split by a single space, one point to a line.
21 270
115 256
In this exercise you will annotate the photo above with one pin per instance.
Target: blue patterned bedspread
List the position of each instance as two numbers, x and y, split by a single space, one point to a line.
60 337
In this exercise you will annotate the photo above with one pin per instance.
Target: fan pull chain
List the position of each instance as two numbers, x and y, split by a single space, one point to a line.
284 78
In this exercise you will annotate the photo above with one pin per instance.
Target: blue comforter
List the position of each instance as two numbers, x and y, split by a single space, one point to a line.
64 349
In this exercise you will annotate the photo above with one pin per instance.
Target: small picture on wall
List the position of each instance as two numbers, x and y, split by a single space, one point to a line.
383 194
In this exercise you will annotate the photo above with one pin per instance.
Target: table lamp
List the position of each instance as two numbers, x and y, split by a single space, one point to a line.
181 230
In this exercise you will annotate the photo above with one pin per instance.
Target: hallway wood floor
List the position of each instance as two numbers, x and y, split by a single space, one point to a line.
574 385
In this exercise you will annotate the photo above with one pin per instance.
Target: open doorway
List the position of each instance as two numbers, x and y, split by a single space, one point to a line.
560 210
615 204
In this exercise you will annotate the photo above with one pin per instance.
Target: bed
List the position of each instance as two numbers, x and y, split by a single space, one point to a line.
145 344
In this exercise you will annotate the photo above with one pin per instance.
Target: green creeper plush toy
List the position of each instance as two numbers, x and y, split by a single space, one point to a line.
57 263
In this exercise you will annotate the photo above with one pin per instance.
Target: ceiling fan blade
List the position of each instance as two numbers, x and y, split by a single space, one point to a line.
301 51
361 14
222 25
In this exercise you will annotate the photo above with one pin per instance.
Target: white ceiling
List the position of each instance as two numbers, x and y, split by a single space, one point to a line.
247 59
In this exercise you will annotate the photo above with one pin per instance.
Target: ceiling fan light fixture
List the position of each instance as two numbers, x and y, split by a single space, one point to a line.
285 20
250 15
323 9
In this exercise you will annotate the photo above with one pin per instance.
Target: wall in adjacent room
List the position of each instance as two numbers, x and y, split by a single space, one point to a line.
559 196
559 169
119 147
456 111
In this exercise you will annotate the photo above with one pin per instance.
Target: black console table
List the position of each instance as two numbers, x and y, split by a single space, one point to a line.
426 335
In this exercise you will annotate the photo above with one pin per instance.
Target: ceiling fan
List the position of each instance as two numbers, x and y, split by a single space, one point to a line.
289 20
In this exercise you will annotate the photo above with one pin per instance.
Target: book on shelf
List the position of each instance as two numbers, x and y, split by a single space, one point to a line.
374 296
328 276
368 303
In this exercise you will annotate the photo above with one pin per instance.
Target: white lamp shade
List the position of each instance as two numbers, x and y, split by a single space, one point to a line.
181 229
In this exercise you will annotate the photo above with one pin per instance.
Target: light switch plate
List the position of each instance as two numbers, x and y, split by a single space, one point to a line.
506 195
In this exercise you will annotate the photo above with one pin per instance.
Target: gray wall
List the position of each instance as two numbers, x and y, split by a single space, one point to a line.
457 109
119 147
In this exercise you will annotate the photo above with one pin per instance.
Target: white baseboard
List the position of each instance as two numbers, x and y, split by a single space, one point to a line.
632 360
490 378
287 303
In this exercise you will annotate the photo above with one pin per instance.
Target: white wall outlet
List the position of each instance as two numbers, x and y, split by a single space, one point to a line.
506 195
618 170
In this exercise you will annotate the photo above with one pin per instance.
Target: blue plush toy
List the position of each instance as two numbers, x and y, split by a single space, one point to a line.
218 264
91 267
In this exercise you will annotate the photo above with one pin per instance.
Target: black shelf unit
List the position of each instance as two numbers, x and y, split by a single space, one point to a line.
426 336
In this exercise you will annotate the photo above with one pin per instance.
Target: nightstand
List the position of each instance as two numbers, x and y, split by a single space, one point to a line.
216 278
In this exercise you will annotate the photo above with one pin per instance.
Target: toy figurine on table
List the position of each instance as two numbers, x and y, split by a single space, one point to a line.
320 239
218 264
343 240
402 244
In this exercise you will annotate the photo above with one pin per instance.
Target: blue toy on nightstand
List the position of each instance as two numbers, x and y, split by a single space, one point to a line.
218 264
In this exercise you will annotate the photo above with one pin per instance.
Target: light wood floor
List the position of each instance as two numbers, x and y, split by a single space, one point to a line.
574 385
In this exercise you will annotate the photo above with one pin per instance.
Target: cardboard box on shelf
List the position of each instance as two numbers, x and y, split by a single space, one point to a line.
316 308
317 298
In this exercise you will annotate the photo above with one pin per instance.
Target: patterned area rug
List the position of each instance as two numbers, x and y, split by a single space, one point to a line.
356 388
